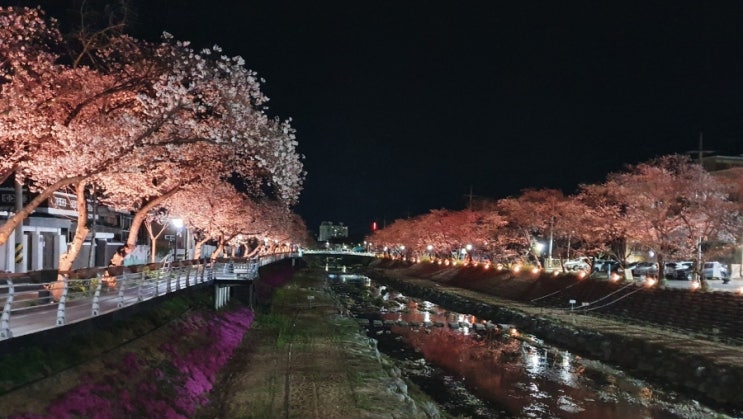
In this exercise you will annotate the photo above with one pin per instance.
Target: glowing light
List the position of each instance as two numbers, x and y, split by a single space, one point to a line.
555 273
581 274
740 291
650 281
487 266
535 270
695 285
516 269
565 359
614 277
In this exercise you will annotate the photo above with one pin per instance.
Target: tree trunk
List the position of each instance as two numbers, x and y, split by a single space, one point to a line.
9 227
73 250
254 252
153 250
220 249
197 248
139 217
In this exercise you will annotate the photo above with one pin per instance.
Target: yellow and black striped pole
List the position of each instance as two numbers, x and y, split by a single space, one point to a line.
19 253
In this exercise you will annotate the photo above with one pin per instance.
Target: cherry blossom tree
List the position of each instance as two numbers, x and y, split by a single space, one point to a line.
673 204
446 231
151 97
606 227
223 214
531 215
59 124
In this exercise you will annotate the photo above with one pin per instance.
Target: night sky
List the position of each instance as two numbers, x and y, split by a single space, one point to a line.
404 106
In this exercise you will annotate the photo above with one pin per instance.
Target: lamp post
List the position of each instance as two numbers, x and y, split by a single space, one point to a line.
539 246
552 227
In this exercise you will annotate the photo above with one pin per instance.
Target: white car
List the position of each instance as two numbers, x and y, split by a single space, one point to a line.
714 270
580 264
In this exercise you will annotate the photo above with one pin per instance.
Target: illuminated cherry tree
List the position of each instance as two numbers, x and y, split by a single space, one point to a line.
446 232
144 109
674 205
533 215
228 218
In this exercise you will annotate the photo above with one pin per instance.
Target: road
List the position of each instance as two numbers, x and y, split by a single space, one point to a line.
735 285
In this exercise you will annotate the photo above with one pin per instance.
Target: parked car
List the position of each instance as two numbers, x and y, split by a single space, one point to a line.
683 271
670 268
580 264
603 268
715 270
645 268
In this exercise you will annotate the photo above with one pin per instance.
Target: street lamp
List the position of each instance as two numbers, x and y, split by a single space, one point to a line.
539 246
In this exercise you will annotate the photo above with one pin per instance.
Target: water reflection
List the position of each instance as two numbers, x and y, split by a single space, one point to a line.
509 373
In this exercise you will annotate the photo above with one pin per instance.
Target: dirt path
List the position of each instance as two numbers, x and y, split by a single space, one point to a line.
305 360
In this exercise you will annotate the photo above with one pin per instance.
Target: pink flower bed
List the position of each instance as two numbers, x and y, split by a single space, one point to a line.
136 386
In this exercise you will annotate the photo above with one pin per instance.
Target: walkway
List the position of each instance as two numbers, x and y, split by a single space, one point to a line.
304 360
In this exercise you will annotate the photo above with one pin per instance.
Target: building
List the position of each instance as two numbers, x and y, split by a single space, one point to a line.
47 232
717 163
329 231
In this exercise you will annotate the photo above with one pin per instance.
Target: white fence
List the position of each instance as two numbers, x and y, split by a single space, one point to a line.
30 307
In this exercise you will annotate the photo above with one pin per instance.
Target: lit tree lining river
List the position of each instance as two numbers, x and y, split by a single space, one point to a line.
477 368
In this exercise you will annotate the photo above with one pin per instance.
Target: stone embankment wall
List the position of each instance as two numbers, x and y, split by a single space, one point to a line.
714 378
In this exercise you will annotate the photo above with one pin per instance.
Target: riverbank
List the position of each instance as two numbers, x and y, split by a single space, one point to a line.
689 360
298 357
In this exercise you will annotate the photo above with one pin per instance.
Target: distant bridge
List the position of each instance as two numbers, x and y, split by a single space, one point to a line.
337 253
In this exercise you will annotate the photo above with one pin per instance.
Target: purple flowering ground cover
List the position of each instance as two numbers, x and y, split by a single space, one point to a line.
170 381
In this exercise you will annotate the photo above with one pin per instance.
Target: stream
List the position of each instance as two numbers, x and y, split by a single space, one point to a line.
477 368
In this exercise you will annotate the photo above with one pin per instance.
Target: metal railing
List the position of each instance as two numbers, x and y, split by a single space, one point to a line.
31 307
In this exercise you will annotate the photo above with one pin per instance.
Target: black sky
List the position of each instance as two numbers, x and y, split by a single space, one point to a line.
403 106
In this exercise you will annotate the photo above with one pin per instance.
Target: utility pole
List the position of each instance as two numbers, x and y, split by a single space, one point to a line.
700 152
19 259
701 148
552 225
470 198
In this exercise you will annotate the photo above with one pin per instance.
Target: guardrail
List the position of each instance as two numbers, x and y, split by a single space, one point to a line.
337 252
31 307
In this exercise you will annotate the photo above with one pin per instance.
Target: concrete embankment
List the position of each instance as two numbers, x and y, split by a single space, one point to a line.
685 356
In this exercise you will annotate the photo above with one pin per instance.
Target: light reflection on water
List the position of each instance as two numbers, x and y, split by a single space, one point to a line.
520 373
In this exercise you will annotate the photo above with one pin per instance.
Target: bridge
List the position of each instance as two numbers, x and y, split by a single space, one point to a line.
337 253
30 306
